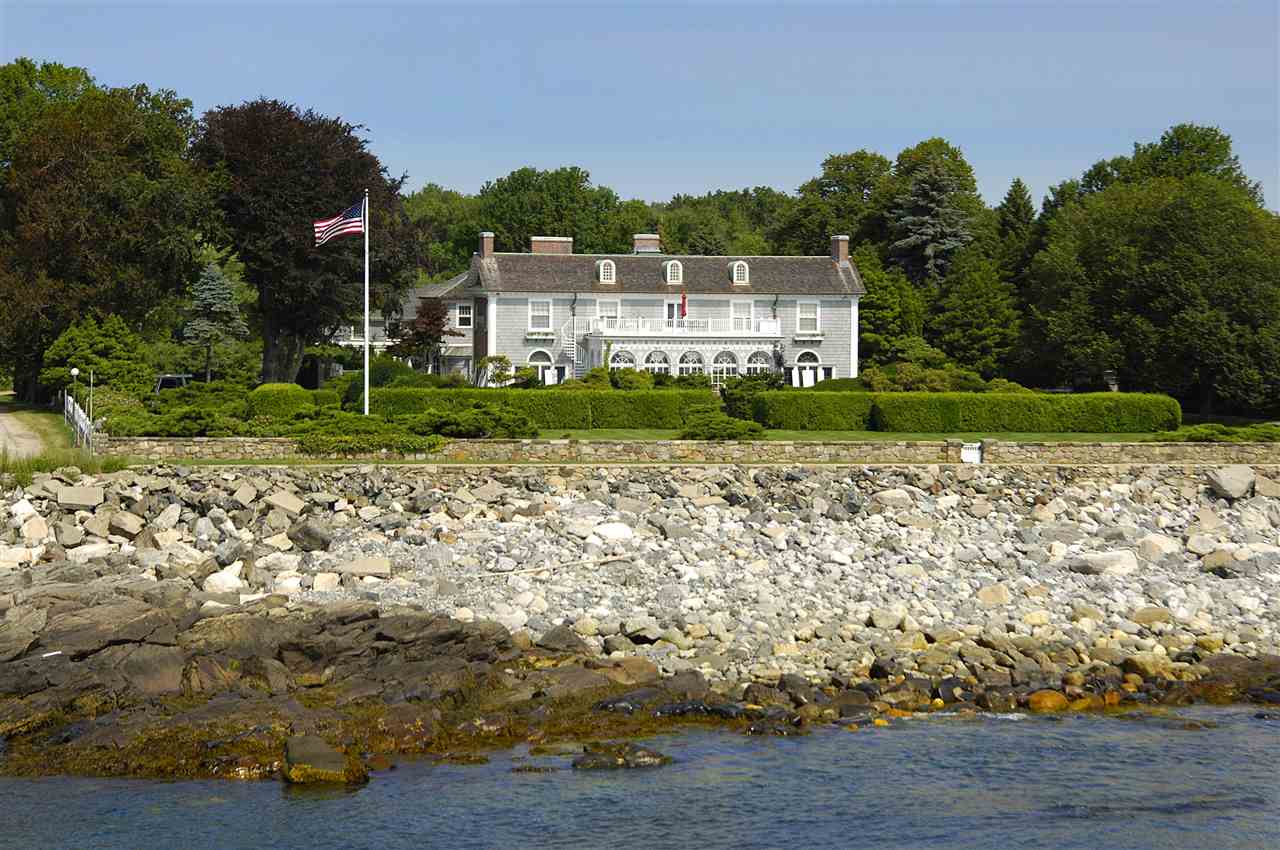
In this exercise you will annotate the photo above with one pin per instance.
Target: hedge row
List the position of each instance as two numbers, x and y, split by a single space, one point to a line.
793 411
940 413
554 409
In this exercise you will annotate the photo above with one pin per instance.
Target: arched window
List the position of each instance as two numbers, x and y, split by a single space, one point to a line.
739 273
808 358
724 366
759 363
691 363
622 360
541 362
673 271
658 363
606 272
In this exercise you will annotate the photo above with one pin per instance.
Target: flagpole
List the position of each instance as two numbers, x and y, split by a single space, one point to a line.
366 302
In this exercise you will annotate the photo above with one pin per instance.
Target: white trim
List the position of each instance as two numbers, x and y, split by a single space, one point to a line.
625 353
656 367
799 354
529 360
853 338
750 317
758 367
674 317
491 326
673 266
551 307
817 318
733 273
457 316
601 265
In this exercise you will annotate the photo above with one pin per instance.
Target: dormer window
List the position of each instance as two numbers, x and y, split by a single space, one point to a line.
606 272
739 273
673 271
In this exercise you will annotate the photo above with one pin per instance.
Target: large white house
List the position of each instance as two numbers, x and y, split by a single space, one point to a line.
563 313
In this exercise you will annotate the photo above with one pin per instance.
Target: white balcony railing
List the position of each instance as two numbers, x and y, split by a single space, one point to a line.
647 326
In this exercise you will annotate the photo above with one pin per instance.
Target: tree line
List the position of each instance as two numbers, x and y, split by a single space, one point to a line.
1161 266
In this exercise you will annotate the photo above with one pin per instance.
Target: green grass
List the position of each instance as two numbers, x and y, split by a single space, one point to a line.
22 469
45 422
853 436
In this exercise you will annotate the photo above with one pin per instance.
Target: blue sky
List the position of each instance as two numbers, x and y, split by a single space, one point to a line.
657 99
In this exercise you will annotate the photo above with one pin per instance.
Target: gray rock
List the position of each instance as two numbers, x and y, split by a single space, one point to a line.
311 535
1232 482
79 498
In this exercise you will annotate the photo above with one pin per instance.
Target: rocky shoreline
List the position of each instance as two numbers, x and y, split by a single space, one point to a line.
310 624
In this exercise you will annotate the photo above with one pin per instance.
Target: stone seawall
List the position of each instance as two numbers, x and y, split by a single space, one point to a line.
695 451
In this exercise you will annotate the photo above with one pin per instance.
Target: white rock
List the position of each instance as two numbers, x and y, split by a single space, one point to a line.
167 518
1153 547
326 582
1118 562
614 532
225 580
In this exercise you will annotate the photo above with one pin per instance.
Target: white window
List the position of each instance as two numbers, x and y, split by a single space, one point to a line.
658 363
608 311
739 273
464 316
622 360
673 314
743 313
540 362
807 320
691 363
807 370
724 366
673 271
539 315
759 363
606 272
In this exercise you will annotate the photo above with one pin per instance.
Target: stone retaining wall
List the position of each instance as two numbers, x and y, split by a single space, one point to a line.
691 451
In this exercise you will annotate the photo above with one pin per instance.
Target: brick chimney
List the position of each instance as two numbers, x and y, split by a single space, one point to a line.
486 243
551 244
840 249
646 243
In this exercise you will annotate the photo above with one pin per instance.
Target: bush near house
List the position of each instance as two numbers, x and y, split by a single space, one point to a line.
1026 412
709 422
806 411
552 408
279 401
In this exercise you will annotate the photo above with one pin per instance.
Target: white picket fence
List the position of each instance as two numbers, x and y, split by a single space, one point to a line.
79 422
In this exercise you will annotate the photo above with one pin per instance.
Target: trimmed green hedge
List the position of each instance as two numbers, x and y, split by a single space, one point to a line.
279 401
1026 412
553 409
789 410
325 397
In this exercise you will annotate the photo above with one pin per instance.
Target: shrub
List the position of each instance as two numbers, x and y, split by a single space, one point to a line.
841 385
110 349
279 401
1213 432
808 411
429 380
384 369
739 393
631 379
484 420
709 422
1002 385
325 398
645 408
328 443
1026 412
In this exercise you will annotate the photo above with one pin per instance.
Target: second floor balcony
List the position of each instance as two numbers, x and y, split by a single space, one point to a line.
635 326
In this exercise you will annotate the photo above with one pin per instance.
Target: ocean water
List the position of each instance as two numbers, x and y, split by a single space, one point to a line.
995 782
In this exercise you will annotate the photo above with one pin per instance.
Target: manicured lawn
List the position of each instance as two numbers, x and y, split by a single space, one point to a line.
45 422
851 436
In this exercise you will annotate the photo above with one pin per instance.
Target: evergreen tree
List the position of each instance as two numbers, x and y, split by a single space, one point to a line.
215 314
927 226
976 320
1016 217
891 312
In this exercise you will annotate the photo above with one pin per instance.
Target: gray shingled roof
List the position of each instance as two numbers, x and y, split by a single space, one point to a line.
450 288
643 273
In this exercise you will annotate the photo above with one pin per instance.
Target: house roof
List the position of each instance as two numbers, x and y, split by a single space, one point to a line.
643 273
446 289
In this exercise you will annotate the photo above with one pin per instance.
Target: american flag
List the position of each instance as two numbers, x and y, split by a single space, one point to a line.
348 221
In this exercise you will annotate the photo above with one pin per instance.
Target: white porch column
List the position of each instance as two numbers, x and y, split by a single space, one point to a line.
491 322
853 338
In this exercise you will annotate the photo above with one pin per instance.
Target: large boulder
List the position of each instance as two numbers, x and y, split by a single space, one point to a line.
1232 482
310 535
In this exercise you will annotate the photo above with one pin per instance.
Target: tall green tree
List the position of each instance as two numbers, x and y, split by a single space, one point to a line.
103 212
26 89
976 318
215 314
1174 283
562 202
892 311
445 227
288 167
928 226
1016 218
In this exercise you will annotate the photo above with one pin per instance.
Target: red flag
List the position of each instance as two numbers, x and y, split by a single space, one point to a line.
684 304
